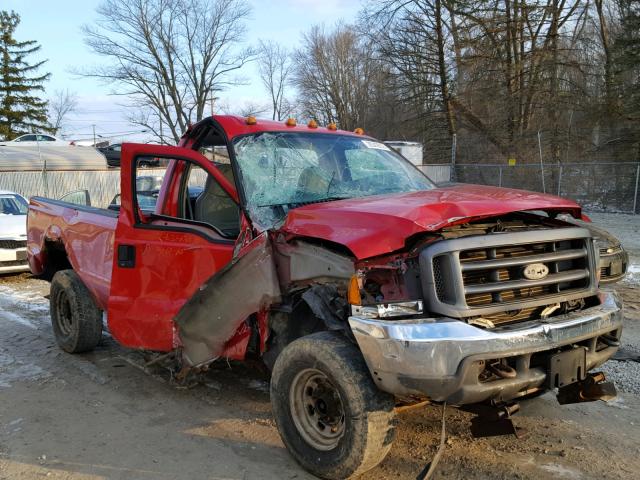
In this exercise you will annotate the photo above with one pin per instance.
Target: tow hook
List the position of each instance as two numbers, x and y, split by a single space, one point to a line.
594 387
494 420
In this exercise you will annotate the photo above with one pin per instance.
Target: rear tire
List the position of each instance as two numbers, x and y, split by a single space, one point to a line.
333 419
76 320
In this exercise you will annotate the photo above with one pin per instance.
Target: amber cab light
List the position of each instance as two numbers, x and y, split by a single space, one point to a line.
353 295
251 120
358 131
312 124
332 126
291 122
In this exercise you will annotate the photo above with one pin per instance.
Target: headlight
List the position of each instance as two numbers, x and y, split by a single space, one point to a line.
612 259
389 290
388 310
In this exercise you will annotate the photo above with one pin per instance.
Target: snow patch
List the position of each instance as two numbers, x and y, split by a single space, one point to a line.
12 370
12 317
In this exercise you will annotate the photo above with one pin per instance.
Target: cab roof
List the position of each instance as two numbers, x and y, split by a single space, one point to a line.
235 126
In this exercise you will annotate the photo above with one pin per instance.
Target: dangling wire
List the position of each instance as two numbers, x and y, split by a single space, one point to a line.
429 470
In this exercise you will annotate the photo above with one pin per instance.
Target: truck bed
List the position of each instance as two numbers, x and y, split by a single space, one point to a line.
86 234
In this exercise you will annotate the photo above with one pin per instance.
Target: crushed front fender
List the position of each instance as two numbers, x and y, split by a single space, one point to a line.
211 316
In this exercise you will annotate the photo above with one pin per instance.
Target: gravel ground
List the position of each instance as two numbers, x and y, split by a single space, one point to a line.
624 368
625 374
625 227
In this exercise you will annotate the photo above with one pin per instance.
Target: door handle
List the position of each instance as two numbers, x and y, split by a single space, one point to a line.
126 256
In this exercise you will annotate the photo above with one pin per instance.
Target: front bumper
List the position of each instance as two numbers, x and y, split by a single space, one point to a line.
13 260
443 358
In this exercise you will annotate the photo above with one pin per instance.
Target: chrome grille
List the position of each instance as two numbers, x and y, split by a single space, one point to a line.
484 274
13 244
495 274
439 277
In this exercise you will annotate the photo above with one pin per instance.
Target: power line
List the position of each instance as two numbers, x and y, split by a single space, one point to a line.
105 134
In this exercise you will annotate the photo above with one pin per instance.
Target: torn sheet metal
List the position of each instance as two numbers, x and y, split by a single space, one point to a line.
209 318
300 263
329 305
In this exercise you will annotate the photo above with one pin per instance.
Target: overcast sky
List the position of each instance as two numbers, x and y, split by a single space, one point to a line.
56 24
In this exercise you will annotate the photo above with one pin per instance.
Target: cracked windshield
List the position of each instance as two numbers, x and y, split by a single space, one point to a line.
282 170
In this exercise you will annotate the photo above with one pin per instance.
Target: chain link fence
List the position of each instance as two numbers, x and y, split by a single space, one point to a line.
606 187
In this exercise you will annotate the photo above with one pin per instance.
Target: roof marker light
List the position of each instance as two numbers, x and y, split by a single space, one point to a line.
358 131
332 126
291 122
251 120
312 124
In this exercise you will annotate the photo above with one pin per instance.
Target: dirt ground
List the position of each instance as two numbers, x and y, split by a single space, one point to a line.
103 415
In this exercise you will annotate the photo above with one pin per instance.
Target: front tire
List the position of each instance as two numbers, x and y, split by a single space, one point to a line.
76 320
333 419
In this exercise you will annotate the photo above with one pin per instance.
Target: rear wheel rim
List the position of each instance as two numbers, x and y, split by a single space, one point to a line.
64 316
317 409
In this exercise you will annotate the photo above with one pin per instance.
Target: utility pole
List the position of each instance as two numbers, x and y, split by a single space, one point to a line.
94 135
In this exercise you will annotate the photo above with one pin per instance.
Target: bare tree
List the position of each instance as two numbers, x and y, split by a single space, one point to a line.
61 105
334 73
251 109
495 66
170 56
275 66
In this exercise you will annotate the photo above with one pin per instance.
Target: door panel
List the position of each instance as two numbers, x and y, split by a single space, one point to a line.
163 262
169 268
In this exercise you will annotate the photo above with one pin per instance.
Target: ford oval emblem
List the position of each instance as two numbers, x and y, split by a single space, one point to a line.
535 271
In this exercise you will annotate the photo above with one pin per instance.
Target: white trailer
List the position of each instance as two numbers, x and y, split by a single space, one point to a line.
16 157
412 151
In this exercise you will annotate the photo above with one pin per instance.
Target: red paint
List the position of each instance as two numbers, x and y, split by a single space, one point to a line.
371 226
235 126
174 258
88 238
172 261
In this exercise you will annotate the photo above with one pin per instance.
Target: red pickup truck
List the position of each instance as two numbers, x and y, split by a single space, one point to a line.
354 278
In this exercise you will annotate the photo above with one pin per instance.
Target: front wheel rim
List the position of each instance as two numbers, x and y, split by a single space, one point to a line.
317 409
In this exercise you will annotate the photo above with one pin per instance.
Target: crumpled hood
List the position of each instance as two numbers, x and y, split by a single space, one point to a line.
13 227
371 226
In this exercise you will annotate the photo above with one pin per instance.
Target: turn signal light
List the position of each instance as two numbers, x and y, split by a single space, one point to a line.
251 120
353 295
312 124
332 126
358 131
291 122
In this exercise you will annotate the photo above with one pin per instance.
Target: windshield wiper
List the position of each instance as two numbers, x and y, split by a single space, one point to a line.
302 203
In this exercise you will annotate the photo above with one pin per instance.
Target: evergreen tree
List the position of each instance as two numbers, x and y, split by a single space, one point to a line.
21 108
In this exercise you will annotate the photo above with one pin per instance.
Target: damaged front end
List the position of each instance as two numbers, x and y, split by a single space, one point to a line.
247 285
511 308
267 279
452 318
